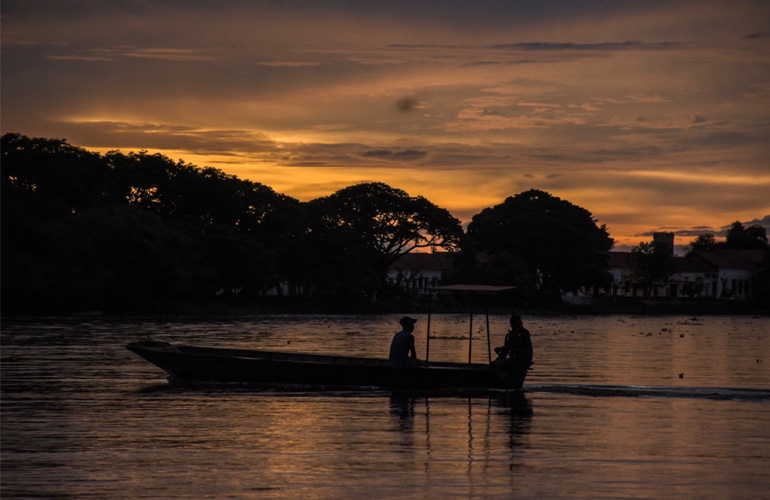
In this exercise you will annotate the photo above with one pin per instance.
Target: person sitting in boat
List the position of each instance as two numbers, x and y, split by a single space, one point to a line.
402 351
518 344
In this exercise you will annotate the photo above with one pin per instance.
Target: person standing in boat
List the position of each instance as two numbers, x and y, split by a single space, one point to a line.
518 344
402 351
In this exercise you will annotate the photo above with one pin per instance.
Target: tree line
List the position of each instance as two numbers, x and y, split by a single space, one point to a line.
139 232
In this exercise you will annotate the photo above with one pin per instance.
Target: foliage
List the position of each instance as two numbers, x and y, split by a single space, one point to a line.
738 237
703 242
752 237
652 265
372 225
138 232
560 243
503 269
128 232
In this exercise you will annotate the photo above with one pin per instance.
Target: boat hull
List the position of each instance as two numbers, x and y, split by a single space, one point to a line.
216 365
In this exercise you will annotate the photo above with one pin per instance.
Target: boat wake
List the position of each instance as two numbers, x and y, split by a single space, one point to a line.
715 393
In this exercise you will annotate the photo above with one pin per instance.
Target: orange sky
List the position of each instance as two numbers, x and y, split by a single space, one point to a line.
652 115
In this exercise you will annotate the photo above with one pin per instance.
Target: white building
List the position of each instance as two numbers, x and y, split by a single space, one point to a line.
420 271
719 274
733 271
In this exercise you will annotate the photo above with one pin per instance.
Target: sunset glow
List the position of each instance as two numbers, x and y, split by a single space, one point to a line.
651 115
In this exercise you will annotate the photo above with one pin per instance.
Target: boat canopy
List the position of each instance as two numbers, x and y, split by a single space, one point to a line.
471 289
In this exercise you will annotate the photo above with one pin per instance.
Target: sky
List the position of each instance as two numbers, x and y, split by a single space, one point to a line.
652 115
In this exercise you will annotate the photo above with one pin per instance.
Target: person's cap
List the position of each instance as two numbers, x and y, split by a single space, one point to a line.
406 320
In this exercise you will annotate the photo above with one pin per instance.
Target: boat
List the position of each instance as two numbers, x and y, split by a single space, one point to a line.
194 364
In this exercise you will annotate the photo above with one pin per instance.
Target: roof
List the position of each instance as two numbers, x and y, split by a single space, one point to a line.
620 260
438 261
732 259
702 261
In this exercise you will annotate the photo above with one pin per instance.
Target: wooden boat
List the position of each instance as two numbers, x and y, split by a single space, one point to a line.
219 365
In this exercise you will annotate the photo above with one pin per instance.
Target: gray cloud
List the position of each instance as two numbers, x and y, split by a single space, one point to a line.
719 232
409 103
699 119
402 155
132 136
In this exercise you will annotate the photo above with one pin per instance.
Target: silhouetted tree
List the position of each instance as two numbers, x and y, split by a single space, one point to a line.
232 218
51 177
48 263
703 242
651 265
129 232
379 224
502 269
560 243
739 237
145 262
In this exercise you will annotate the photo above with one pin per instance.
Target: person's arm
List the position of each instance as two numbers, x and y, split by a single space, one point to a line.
528 351
412 350
506 349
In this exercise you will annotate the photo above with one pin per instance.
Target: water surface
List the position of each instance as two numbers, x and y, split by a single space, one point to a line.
615 407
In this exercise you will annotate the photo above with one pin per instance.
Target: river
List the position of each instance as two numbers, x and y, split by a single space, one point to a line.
615 407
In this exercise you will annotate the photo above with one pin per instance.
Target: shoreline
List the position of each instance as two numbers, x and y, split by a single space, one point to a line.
268 306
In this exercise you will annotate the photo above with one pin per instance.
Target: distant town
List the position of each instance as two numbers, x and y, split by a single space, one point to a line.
718 273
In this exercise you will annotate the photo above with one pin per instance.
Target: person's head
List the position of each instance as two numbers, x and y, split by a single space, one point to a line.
515 320
408 323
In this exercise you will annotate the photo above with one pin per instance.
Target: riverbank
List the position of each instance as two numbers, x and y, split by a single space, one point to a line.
442 304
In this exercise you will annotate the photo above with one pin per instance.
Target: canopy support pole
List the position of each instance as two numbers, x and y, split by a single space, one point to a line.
470 335
427 335
489 341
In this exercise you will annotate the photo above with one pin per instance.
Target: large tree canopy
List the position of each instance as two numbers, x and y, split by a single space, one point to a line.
560 243
129 231
136 231
385 223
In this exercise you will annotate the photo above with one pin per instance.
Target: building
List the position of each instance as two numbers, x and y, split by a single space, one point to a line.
719 274
420 271
733 271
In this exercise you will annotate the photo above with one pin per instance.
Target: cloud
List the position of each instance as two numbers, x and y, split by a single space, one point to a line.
603 46
289 64
719 232
168 54
402 155
409 103
764 222
158 136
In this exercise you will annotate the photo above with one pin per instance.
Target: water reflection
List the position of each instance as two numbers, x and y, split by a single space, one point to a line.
402 407
478 425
